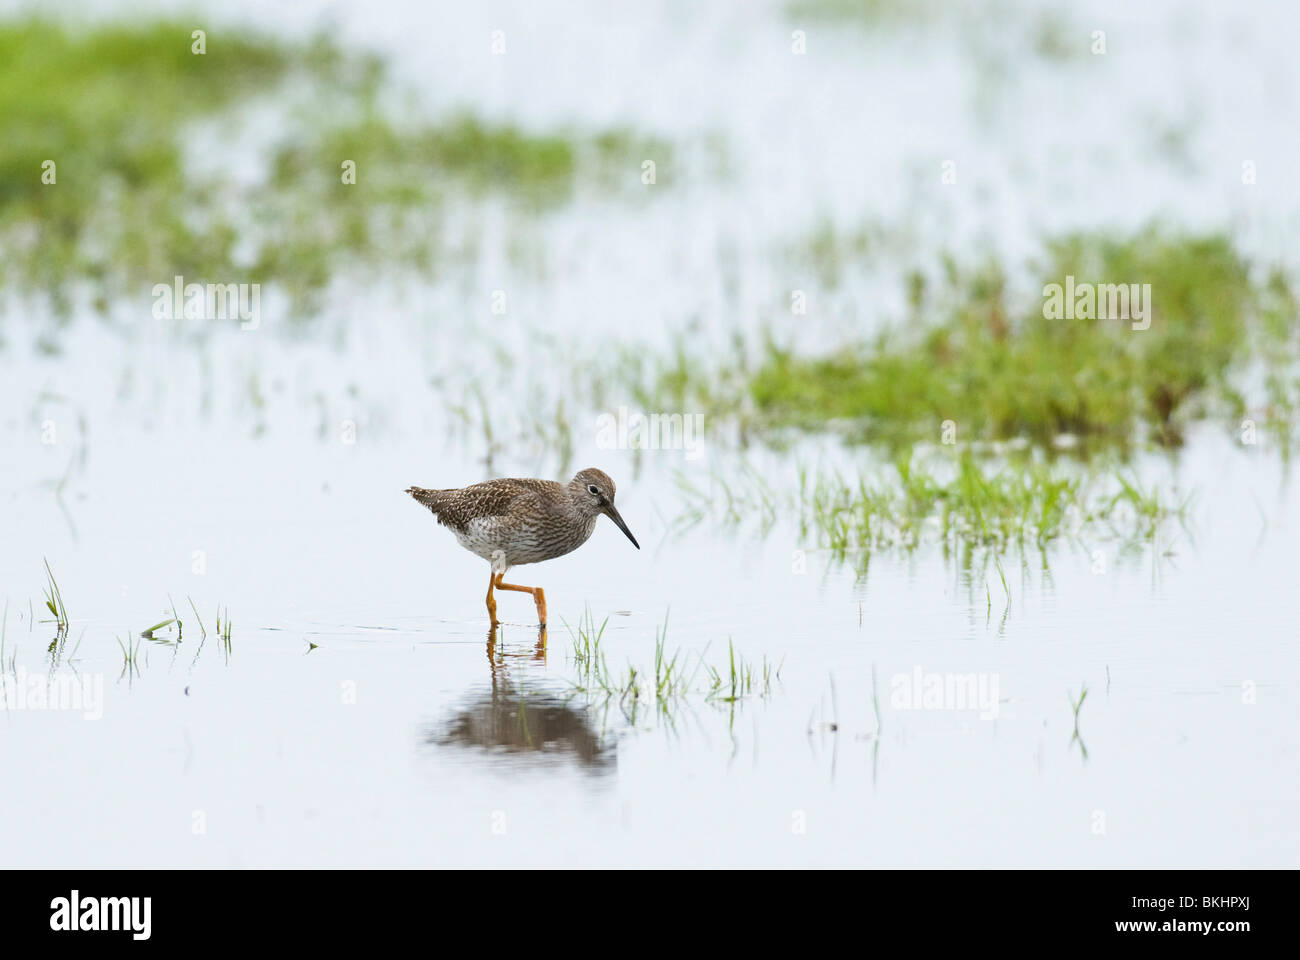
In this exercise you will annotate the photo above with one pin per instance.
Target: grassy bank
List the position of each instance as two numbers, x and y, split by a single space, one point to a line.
972 365
130 158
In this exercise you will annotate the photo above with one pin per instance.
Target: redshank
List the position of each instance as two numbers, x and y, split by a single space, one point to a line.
510 522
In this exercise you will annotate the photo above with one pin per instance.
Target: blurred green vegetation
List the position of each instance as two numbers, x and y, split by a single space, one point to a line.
106 107
983 506
865 12
1002 372
107 104
123 111
484 156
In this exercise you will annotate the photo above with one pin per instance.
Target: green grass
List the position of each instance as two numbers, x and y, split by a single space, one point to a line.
869 13
1027 503
398 160
130 658
952 498
587 653
1076 704
113 106
988 29
741 679
224 632
667 682
54 603
151 633
107 106
830 253
202 629
742 496
994 368
998 372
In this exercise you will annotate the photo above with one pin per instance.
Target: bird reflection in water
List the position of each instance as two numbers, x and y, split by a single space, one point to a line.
522 718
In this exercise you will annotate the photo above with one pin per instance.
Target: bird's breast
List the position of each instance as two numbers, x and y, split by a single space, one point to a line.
545 541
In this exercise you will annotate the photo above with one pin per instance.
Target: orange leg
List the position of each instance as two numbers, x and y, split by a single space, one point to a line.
491 600
538 596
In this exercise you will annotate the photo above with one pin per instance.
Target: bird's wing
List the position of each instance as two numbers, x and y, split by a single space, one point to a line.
455 508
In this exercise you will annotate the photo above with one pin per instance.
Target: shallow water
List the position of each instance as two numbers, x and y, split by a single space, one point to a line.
405 736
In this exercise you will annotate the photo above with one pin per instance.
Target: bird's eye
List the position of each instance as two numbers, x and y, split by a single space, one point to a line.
591 489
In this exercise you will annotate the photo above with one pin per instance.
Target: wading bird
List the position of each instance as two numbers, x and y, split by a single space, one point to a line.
512 522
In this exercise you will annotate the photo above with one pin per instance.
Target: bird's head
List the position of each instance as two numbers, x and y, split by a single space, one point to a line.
593 491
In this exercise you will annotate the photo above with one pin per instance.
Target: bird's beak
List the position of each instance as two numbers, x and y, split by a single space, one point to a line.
613 515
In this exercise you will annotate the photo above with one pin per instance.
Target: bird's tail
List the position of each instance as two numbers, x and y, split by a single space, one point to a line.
427 497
